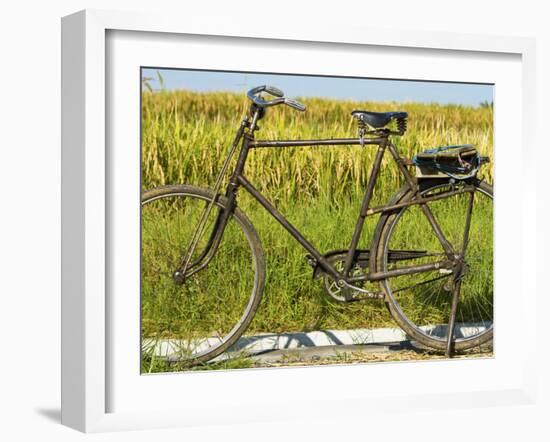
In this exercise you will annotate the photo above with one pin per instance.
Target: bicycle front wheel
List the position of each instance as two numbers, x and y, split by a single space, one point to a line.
421 302
201 318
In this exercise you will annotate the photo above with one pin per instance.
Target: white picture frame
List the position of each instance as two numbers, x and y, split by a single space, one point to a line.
86 210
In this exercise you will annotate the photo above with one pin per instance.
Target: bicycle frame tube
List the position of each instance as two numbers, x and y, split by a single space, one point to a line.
238 179
319 142
422 200
425 209
364 207
381 142
289 227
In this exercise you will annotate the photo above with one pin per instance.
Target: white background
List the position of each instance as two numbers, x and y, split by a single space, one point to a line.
30 216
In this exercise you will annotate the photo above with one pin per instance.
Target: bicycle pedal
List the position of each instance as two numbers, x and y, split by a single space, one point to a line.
312 262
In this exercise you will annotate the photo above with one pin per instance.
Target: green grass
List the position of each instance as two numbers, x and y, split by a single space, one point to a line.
185 138
152 364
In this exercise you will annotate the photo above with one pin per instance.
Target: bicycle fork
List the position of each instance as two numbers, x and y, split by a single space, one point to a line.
186 267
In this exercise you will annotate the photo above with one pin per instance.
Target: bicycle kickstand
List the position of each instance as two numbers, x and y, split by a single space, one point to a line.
452 319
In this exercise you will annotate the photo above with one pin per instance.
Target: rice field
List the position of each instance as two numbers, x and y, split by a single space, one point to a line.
185 137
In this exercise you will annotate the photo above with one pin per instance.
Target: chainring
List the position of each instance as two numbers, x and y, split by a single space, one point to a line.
333 290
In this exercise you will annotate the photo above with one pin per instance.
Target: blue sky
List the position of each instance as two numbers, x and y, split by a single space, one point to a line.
467 94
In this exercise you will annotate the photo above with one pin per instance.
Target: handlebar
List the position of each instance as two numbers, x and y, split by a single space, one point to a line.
259 101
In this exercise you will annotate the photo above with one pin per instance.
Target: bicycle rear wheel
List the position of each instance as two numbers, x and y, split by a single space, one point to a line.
421 302
201 318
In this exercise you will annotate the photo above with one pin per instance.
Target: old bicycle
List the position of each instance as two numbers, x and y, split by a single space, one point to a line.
203 249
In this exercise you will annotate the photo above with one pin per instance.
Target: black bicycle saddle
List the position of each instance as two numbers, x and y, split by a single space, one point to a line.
378 120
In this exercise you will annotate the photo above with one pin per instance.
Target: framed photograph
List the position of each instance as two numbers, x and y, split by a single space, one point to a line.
249 215
222 292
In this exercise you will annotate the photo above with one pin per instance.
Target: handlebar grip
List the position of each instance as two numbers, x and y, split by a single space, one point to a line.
274 91
295 104
253 95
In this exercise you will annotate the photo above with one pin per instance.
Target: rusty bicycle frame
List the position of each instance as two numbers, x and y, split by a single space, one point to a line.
379 138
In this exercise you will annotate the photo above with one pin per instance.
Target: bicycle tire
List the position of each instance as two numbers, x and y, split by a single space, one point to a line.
177 193
382 242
